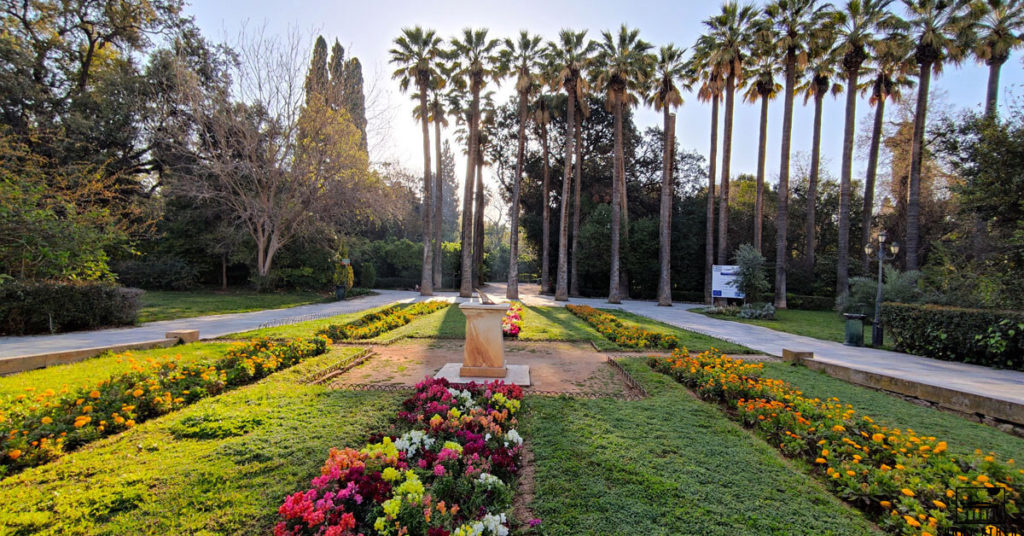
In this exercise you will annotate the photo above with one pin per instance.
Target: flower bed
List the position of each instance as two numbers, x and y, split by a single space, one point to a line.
512 323
373 324
622 333
449 474
905 481
39 426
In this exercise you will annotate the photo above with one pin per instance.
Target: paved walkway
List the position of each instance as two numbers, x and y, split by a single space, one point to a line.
999 384
209 326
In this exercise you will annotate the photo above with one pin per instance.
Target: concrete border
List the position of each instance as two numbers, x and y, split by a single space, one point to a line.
957 401
22 363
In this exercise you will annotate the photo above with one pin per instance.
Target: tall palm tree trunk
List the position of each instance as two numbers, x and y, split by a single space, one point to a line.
623 218
614 285
759 196
545 256
574 284
869 178
845 178
665 227
426 275
478 223
812 183
709 235
995 65
512 292
723 206
438 205
782 218
466 283
914 190
562 276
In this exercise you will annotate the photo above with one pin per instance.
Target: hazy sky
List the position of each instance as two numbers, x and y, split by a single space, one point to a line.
366 29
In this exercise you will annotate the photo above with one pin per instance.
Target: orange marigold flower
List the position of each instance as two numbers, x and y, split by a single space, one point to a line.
94 394
907 492
14 454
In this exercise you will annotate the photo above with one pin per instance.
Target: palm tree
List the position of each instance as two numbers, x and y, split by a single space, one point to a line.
762 87
437 110
623 67
893 66
414 53
567 59
542 118
859 24
999 32
475 53
522 58
940 30
664 95
699 71
727 40
821 70
795 22
582 112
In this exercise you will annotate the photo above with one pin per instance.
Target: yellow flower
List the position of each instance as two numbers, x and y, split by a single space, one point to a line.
907 492
982 478
851 473
939 503
129 423
94 394
838 428
878 437
47 420
820 460
885 504
137 393
911 521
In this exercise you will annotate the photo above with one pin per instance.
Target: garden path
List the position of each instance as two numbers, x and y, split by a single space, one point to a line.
209 326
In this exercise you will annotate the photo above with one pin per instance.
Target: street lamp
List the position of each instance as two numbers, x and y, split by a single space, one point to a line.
886 252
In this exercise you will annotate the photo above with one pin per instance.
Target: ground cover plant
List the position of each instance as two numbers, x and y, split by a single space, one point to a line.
904 480
169 304
373 324
220 466
302 329
90 371
449 473
628 330
962 435
38 428
667 464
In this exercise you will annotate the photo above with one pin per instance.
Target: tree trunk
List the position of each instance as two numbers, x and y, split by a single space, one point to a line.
992 97
574 284
438 205
723 206
623 219
812 183
562 276
478 222
845 178
759 196
614 285
665 227
224 271
512 292
782 217
869 178
914 189
426 275
709 236
466 283
545 255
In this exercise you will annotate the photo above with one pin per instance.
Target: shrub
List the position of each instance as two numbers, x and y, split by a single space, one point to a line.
810 303
371 325
978 336
897 286
51 423
50 307
903 480
368 276
761 311
752 281
450 472
159 273
343 276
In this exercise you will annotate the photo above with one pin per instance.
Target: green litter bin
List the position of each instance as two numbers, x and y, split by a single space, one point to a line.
854 329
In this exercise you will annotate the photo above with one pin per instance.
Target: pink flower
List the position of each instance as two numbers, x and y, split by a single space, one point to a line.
439 470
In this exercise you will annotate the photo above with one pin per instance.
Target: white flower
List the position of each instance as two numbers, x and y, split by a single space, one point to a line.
413 441
495 524
514 437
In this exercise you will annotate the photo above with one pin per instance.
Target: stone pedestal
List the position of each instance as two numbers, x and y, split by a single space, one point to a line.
484 356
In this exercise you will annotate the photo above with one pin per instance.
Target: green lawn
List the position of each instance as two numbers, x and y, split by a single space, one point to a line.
668 464
825 325
221 466
695 342
963 435
302 329
102 367
165 305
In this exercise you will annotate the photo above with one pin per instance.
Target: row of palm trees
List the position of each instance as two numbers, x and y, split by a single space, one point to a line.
787 47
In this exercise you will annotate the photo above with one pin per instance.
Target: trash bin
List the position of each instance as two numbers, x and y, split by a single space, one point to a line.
854 329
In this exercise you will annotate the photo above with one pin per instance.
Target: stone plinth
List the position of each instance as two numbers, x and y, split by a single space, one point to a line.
484 355
184 335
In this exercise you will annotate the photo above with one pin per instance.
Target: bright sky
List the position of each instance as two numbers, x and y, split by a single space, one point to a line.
367 28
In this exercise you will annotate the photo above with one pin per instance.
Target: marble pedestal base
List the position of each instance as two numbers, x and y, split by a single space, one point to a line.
515 374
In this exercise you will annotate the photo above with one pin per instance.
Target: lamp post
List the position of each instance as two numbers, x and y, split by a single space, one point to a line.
886 252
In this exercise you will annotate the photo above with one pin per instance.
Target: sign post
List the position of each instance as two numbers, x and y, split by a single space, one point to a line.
724 278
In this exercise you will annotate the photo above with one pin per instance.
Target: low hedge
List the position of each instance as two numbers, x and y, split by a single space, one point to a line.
28 307
622 333
978 336
810 303
39 426
371 325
